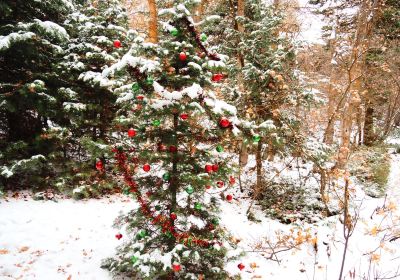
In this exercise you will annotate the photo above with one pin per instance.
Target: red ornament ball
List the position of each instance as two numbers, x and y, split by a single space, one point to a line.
118 236
229 197
215 167
208 168
184 116
117 44
241 266
173 149
182 56
224 123
173 216
131 132
99 165
220 184
146 167
176 267
217 77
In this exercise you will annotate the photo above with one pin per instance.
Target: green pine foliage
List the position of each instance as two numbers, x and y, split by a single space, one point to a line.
264 84
169 154
31 42
99 37
270 89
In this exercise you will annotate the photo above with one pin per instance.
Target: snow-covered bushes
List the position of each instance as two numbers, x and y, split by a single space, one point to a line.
371 167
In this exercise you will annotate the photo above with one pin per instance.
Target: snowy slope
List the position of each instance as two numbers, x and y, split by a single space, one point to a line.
55 240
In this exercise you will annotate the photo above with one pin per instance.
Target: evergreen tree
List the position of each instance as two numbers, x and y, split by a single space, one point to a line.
99 36
31 42
263 82
170 155
264 85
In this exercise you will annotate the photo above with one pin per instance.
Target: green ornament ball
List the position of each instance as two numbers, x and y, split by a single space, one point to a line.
256 138
142 233
134 259
219 149
197 206
203 37
174 32
126 191
166 176
189 190
156 122
215 221
149 81
135 87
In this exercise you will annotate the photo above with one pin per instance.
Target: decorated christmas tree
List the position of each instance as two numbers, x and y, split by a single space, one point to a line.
171 154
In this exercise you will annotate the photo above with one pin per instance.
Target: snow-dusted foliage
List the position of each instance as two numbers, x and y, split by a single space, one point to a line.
21 166
98 37
32 41
175 127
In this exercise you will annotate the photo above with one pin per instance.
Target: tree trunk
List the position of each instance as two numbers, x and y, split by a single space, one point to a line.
346 128
240 13
243 159
360 126
330 128
259 169
369 125
332 93
153 33
365 23
174 183
200 10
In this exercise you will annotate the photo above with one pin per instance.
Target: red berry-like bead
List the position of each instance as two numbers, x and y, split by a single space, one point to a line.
220 184
117 44
146 167
224 123
184 116
162 147
173 216
232 180
229 197
176 267
173 149
208 168
217 77
182 56
99 165
241 266
215 167
118 236
208 187
131 132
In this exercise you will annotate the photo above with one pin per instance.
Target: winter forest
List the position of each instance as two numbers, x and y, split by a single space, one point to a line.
199 139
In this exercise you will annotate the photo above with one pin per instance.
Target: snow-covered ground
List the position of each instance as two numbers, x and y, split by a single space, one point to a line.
55 240
67 239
